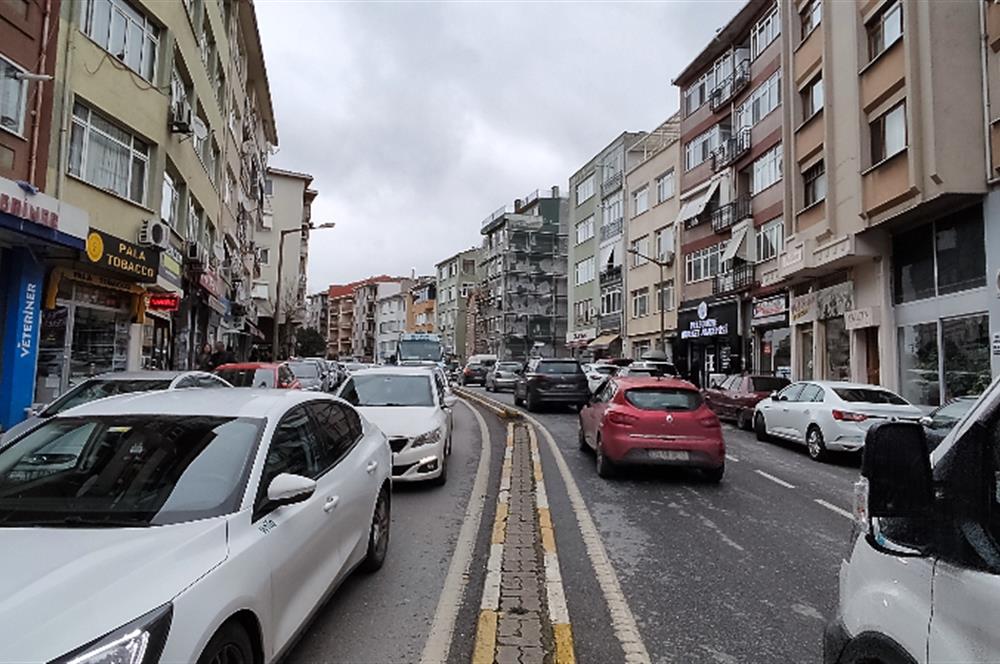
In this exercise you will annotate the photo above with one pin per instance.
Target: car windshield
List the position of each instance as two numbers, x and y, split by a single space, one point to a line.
508 366
949 415
558 368
419 349
769 383
388 390
142 470
248 377
304 369
663 398
98 388
869 395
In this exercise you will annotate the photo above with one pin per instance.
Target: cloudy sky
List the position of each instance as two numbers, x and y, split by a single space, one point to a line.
419 119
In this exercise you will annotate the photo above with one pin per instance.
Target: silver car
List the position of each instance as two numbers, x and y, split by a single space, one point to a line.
502 376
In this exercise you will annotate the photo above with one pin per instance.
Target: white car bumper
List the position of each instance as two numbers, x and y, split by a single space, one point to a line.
416 465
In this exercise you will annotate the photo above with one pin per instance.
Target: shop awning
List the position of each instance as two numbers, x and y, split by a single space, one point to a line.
736 247
604 341
696 205
606 257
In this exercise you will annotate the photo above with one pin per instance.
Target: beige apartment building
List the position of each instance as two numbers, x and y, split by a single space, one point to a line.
650 233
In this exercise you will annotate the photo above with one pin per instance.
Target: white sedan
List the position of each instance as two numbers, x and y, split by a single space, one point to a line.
599 372
829 416
413 408
168 527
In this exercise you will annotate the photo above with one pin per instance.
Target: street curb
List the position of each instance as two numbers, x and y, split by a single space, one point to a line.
500 410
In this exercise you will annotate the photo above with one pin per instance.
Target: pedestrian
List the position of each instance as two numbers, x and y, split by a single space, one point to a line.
221 355
254 354
205 358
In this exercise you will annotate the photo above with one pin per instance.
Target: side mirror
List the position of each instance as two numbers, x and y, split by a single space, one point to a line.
896 463
288 489
927 421
450 400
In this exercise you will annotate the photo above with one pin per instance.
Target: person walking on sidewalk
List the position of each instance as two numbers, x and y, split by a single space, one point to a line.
205 358
221 356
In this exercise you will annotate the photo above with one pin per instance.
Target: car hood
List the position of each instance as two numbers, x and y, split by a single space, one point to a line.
64 587
406 421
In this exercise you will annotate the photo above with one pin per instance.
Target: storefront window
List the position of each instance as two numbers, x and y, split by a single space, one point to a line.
913 259
806 355
100 342
918 364
838 350
961 261
776 353
966 343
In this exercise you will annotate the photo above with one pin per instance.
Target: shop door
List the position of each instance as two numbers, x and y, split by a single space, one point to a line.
53 353
871 355
806 355
100 342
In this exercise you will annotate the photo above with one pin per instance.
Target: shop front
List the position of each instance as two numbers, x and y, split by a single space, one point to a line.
577 342
821 348
710 344
772 335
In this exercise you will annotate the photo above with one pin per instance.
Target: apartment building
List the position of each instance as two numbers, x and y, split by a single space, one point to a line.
367 295
161 139
390 320
523 303
340 321
456 277
596 228
651 241
318 312
421 309
731 193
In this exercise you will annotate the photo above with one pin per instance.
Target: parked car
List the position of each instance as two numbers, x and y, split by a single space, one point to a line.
324 371
259 374
652 421
599 372
829 416
111 384
943 419
413 409
200 529
308 374
735 397
547 380
502 376
922 580
476 369
645 369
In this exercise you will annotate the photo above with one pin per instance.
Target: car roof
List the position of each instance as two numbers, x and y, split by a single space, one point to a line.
395 370
142 375
631 382
235 402
249 365
834 384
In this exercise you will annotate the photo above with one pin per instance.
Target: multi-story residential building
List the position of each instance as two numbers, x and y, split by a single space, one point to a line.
318 312
731 198
456 277
340 322
524 277
476 333
162 138
420 312
390 320
281 294
596 228
366 298
990 27
650 233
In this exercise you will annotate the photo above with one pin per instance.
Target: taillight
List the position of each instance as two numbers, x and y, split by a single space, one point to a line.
845 416
709 421
621 419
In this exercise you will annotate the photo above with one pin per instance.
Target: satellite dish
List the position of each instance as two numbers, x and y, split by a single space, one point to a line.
199 128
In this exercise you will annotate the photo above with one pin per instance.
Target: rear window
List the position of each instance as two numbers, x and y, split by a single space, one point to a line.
607 369
868 395
663 398
508 366
248 377
768 383
304 370
651 373
558 368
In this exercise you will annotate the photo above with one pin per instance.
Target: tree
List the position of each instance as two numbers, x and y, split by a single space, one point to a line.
310 343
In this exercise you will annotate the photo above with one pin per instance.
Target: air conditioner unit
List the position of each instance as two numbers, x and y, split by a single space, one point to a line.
180 117
668 257
154 233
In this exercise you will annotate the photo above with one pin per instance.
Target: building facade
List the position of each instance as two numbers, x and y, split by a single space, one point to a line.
390 321
367 295
456 277
340 321
318 313
421 312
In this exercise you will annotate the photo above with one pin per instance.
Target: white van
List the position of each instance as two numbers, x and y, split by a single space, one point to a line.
923 581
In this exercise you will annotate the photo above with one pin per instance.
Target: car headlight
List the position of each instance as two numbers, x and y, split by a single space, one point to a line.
428 438
139 642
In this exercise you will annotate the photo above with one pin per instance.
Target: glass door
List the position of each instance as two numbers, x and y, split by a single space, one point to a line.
806 354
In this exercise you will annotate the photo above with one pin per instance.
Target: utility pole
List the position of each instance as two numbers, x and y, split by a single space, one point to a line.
277 291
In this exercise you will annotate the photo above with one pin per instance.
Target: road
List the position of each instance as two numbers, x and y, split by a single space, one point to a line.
745 571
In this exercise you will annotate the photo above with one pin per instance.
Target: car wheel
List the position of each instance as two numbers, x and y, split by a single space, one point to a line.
760 428
230 645
605 468
518 401
443 477
815 444
378 536
531 402
741 420
714 475
582 437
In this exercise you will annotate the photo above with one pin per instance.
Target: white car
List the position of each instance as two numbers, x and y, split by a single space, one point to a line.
599 372
828 415
170 527
413 408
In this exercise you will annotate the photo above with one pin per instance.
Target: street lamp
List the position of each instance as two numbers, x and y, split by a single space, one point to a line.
277 295
659 297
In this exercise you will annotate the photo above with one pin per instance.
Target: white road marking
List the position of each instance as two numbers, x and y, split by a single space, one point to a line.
833 508
443 627
775 479
491 587
558 613
730 457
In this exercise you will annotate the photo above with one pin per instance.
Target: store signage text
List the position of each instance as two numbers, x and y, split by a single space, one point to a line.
210 282
122 256
164 302
28 319
33 213
707 327
861 318
823 304
769 310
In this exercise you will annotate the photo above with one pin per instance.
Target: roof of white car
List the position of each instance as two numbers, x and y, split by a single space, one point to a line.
143 375
833 384
395 371
235 402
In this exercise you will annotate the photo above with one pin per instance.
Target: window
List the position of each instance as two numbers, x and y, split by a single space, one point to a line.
665 186
170 202
665 296
230 192
234 117
585 189
766 170
123 32
640 246
765 32
106 156
611 301
468 266
295 449
700 148
812 98
664 243
13 97
640 302
888 133
697 93
811 392
581 310
814 184
640 348
940 258
885 29
810 15
585 271
760 102
613 208
268 187
640 201
770 237
585 230
704 263
467 289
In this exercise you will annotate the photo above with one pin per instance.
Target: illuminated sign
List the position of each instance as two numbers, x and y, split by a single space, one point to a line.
164 302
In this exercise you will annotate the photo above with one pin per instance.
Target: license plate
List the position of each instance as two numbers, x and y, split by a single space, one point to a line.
668 455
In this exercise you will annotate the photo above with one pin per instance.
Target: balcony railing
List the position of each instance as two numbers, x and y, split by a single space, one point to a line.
731 149
611 183
610 274
612 229
729 214
740 277
730 86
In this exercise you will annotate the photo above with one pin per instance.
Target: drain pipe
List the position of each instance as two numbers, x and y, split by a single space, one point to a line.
987 114
37 124
67 96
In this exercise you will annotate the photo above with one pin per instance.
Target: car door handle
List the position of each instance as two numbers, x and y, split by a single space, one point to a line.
370 468
331 504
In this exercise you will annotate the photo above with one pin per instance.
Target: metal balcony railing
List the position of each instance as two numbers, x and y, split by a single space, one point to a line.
612 229
610 274
725 216
732 149
740 277
611 183
730 86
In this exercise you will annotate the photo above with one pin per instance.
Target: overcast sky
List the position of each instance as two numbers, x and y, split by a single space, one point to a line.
417 120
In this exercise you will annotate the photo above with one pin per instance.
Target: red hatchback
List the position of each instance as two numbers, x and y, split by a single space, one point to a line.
652 421
259 374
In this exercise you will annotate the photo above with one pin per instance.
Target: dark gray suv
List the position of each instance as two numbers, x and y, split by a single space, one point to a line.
545 381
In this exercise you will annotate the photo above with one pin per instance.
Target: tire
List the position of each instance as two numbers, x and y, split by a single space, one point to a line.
741 420
441 479
489 388
230 645
447 449
604 466
518 401
714 475
531 402
760 428
815 445
582 438
378 534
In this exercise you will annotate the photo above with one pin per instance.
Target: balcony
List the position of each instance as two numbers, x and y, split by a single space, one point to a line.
730 86
729 214
731 149
611 183
610 275
612 229
739 278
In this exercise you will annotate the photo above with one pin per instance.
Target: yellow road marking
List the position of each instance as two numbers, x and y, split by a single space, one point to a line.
500 524
545 525
564 644
486 638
